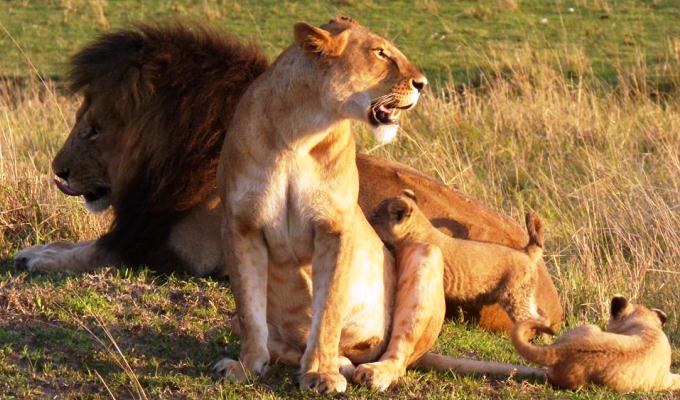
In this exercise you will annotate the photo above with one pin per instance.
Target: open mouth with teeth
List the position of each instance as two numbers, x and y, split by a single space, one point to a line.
91 196
385 113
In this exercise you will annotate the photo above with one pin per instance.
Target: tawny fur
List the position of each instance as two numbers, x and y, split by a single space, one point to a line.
633 354
145 117
305 265
476 272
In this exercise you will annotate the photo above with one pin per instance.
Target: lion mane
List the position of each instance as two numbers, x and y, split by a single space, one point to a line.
175 89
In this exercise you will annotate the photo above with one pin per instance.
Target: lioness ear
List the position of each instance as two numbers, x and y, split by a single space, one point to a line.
319 42
399 210
619 304
662 315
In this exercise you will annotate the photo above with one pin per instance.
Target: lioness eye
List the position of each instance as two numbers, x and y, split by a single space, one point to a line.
380 53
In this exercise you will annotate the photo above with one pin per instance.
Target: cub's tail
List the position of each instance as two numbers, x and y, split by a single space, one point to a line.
437 362
521 336
535 230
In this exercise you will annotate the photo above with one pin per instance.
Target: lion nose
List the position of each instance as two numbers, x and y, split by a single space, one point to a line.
419 83
63 174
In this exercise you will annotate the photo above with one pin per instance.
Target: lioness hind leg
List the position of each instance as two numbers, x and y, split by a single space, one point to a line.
60 257
418 315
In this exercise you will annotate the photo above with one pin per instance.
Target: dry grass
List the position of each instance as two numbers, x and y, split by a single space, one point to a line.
600 164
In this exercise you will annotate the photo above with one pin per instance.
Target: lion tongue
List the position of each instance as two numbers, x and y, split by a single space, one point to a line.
65 188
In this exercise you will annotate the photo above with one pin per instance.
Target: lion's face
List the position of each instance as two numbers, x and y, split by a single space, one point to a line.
82 164
366 77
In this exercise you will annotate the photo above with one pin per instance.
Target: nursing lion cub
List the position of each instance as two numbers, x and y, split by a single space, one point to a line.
633 354
476 272
313 282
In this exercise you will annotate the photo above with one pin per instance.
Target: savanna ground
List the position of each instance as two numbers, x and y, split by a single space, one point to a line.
570 108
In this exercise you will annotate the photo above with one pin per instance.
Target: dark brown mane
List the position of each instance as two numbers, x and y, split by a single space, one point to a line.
175 89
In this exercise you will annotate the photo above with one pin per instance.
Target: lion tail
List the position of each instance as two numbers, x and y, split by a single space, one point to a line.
521 336
438 362
535 230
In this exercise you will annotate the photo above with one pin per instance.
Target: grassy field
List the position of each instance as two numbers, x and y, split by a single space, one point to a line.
568 108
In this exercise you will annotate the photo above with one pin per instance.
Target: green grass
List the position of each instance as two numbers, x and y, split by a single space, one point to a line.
447 38
561 117
170 330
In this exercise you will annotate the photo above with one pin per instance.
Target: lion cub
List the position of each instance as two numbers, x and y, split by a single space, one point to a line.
633 354
475 272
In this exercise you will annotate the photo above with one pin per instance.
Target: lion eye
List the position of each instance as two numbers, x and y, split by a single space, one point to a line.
380 52
92 133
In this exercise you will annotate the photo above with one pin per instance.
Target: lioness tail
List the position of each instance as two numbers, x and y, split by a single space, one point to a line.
521 336
437 362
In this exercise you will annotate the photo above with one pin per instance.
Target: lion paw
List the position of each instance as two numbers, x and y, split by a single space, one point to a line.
45 257
323 382
236 371
378 375
229 370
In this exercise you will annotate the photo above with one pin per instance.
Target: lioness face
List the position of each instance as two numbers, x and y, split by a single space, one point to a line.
392 218
81 165
624 314
366 77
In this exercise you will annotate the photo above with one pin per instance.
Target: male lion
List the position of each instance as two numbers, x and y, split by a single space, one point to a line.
633 354
314 284
156 104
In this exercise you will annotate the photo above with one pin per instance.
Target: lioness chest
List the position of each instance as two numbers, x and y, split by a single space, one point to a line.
289 199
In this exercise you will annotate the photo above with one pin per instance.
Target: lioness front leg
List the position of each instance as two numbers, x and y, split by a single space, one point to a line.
61 257
418 315
246 256
330 265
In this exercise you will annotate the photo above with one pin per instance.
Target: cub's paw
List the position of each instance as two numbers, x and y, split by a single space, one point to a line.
44 257
323 382
230 370
377 375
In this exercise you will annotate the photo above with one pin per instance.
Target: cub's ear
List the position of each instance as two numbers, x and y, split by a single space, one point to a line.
619 305
662 315
317 42
399 210
410 194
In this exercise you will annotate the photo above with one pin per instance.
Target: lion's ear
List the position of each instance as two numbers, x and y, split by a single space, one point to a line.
319 42
399 210
619 306
410 194
662 315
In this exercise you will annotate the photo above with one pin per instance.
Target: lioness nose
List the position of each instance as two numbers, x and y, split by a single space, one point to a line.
419 83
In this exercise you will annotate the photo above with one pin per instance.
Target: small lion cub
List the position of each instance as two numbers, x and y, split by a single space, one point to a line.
633 354
476 273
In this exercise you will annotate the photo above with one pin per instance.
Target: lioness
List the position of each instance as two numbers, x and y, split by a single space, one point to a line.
308 271
141 145
633 354
476 272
